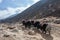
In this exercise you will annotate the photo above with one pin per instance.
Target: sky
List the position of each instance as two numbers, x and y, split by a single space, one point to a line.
12 7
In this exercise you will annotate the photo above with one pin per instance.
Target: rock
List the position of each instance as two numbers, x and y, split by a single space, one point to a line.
57 22
14 30
5 35
11 27
31 32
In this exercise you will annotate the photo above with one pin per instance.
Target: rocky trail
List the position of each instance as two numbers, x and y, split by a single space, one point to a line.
19 33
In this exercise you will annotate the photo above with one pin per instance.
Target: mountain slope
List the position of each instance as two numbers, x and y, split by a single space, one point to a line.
43 8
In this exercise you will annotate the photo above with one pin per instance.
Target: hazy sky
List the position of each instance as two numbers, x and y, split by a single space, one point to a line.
11 7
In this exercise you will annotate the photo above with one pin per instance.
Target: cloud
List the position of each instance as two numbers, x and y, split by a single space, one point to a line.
11 11
1 1
17 9
35 1
3 13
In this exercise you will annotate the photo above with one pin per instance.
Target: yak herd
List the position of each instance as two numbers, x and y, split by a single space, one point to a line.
36 24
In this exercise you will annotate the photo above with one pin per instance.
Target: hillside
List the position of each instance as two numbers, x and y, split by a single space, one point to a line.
18 32
41 9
